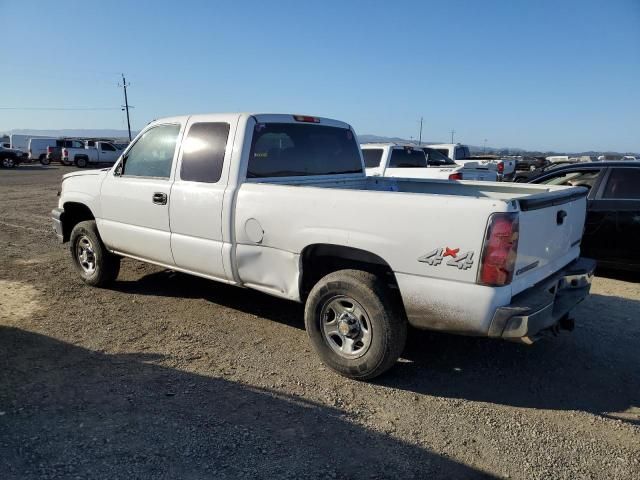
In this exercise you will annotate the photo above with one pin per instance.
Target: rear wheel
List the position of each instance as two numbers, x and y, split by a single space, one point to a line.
355 323
44 160
81 162
95 264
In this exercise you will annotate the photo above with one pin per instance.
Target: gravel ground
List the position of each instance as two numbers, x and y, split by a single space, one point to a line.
170 376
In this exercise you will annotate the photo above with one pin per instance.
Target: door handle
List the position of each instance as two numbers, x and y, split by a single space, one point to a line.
159 198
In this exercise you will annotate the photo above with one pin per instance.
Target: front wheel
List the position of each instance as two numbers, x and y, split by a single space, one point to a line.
8 162
95 264
355 323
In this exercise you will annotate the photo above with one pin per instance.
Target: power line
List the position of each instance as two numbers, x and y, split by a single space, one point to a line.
59 108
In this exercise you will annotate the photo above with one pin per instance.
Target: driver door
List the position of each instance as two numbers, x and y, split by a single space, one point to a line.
135 194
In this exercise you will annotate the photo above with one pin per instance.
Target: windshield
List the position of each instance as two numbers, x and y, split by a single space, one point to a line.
292 149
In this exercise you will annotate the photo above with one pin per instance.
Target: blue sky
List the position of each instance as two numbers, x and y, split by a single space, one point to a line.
553 75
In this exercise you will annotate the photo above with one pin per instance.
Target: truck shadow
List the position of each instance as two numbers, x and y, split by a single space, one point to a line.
70 412
594 369
167 283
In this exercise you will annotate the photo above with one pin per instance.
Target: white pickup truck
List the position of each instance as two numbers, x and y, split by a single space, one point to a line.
410 161
391 160
505 168
101 152
281 204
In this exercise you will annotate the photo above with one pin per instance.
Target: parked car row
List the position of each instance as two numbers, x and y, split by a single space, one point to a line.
409 161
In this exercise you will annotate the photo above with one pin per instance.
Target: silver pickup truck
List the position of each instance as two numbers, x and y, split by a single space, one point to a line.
281 204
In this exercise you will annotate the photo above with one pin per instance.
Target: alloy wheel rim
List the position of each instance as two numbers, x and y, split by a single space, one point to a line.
346 327
86 255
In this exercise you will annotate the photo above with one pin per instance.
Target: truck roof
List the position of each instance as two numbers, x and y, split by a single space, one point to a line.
260 118
389 144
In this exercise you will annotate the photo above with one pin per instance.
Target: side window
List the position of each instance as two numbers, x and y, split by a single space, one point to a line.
203 152
152 154
76 144
623 183
443 151
407 158
372 157
107 148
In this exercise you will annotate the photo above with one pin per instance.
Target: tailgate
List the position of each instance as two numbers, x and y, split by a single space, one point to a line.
551 225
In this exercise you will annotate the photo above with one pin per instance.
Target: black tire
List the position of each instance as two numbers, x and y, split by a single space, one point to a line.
384 314
106 266
81 162
44 160
8 162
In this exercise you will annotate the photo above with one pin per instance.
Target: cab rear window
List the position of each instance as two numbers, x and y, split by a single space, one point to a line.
289 149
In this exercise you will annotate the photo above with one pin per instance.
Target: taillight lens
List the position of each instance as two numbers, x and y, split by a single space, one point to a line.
500 250
501 167
49 149
455 176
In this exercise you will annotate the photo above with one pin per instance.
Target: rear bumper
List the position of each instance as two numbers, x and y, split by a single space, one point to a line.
545 304
56 220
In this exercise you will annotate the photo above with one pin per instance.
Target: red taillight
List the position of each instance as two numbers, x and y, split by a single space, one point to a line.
501 167
455 176
306 118
500 250
49 150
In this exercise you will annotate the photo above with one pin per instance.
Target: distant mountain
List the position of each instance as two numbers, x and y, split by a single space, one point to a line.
72 132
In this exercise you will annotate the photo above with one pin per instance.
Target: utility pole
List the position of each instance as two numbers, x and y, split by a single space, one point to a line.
485 145
420 138
452 132
126 104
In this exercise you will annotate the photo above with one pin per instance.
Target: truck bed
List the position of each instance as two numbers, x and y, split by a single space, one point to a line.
529 196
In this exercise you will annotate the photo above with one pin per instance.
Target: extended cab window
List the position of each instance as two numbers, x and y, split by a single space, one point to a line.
203 152
407 158
372 157
623 183
292 149
152 154
105 147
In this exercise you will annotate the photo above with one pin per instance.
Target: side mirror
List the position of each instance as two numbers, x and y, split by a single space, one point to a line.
118 171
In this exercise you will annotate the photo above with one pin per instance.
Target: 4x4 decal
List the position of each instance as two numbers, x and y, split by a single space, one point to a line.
436 257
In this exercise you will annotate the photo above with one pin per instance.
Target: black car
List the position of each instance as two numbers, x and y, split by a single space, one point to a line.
528 176
612 227
10 158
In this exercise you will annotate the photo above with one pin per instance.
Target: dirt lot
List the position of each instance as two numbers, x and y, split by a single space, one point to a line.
168 376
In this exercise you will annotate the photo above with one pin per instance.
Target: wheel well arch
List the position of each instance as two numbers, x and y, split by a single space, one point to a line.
318 260
74 213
